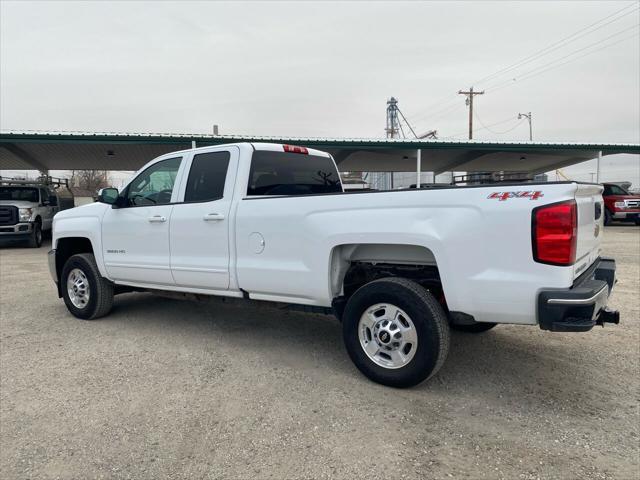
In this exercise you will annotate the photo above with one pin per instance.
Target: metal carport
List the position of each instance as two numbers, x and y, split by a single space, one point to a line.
119 151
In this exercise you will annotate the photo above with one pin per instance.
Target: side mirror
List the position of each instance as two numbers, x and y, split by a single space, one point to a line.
108 195
46 203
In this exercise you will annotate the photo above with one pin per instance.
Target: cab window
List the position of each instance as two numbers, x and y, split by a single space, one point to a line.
27 194
281 173
155 185
614 190
207 176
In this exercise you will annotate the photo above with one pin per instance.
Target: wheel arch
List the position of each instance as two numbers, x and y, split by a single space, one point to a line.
380 259
66 247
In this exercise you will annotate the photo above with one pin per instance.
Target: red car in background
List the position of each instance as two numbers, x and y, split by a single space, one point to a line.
620 205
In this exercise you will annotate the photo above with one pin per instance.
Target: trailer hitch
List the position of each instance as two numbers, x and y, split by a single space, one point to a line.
608 316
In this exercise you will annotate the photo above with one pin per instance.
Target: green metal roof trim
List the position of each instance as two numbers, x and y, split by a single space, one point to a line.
203 140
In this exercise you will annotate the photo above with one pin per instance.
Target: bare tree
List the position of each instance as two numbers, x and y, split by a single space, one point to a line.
92 180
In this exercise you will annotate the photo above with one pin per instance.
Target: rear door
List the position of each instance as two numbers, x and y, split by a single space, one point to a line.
590 226
199 231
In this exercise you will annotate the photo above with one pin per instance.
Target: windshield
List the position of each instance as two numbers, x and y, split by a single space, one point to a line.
280 173
614 190
26 194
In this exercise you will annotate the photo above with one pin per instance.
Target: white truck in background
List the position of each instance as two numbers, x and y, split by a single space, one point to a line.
27 207
399 268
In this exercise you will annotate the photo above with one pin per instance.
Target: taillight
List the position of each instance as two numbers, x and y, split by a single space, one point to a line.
295 149
554 233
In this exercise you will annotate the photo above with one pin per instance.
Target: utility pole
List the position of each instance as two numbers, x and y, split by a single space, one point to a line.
470 94
528 117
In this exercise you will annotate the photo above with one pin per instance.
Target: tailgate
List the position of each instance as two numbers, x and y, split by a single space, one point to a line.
590 226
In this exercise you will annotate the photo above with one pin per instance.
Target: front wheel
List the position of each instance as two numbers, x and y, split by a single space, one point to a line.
86 293
395 332
35 239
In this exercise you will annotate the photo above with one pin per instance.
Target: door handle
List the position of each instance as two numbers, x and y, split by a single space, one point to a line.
213 217
157 219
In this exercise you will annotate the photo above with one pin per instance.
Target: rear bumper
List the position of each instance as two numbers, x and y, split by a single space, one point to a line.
584 305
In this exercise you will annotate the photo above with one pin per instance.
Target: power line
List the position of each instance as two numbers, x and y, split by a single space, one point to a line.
564 63
569 54
430 113
487 127
554 64
446 111
449 100
562 42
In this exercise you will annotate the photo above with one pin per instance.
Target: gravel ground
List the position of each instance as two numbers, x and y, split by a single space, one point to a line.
168 388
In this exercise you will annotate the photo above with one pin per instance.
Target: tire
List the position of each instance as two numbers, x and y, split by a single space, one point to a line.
474 328
364 323
607 217
82 267
35 239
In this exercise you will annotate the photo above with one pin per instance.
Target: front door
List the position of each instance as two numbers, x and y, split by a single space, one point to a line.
135 237
199 232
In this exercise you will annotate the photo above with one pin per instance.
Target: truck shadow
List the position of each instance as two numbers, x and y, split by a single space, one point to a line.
539 369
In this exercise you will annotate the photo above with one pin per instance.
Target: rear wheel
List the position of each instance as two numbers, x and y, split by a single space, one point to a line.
35 239
86 293
395 332
607 217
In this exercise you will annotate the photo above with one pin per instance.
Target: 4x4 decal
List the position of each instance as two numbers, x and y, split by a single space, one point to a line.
531 195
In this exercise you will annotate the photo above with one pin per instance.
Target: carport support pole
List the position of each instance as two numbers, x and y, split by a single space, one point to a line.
598 166
418 167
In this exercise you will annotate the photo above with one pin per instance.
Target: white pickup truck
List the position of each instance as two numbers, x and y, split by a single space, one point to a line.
27 208
398 268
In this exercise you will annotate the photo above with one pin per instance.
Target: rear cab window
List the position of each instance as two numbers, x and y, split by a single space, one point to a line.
288 173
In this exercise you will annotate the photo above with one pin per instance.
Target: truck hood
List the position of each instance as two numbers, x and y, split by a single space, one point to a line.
90 209
19 203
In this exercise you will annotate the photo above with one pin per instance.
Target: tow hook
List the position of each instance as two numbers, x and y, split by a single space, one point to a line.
608 316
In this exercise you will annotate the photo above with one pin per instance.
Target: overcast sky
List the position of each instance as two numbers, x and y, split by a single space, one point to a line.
325 69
